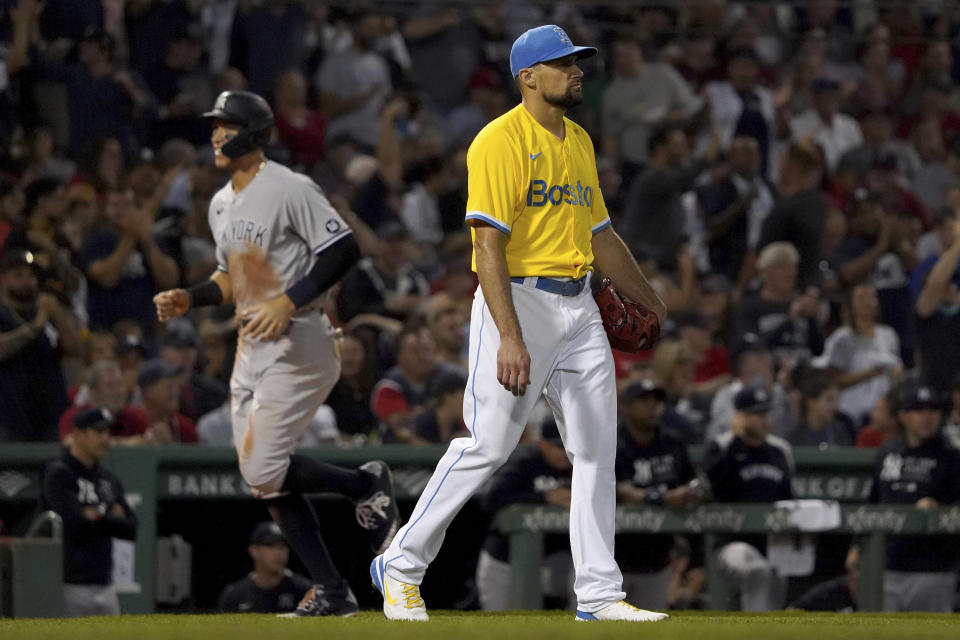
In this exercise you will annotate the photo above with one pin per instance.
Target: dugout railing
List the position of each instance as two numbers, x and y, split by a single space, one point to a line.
192 473
526 525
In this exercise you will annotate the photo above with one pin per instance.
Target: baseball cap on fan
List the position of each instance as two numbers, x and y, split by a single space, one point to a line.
542 44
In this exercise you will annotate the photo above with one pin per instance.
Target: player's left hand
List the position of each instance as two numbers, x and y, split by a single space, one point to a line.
267 320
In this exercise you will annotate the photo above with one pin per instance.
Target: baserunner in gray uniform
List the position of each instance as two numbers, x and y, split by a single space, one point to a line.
279 246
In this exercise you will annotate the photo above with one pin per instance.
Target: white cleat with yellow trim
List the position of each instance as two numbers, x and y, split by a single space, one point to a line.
401 600
621 611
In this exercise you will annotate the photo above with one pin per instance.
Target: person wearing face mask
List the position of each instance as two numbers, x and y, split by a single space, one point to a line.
35 332
937 311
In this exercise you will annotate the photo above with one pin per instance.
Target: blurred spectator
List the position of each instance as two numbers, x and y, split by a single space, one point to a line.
735 209
933 178
23 16
216 21
35 332
749 465
448 328
937 320
159 384
402 393
934 105
863 356
82 215
376 183
11 208
149 27
45 204
267 39
755 367
351 396
386 284
199 394
711 362
820 424
697 62
420 211
91 502
879 77
878 249
951 421
486 100
124 263
300 129
183 90
271 587
653 220
740 106
685 414
103 99
103 166
930 245
935 67
131 351
354 84
800 215
104 388
884 425
539 474
641 96
823 123
876 126
445 49
782 317
652 468
919 469
442 419
43 159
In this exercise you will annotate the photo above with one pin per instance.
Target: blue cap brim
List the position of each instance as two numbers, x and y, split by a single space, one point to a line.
563 52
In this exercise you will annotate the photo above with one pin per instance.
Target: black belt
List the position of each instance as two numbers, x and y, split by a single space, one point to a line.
560 287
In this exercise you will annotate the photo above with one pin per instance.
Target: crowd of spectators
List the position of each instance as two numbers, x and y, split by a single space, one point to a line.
786 173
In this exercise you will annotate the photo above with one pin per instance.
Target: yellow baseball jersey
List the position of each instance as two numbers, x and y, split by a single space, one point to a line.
541 191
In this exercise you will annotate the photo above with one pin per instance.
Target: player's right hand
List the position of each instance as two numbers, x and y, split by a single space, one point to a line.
513 365
171 304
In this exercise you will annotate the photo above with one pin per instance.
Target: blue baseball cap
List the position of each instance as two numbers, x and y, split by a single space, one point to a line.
547 42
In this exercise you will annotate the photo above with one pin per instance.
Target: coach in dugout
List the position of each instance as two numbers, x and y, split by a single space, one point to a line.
94 510
271 587
922 469
653 469
747 464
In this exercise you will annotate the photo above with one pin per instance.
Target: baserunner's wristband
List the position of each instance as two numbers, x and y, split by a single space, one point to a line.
205 294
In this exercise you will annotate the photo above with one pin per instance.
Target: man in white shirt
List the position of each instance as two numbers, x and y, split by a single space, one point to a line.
823 124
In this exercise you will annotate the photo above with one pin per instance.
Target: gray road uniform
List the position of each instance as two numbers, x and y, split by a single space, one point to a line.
267 238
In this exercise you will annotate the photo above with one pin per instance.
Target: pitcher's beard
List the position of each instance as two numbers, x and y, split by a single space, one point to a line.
566 101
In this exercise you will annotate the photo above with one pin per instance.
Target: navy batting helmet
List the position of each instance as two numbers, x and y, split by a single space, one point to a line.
251 112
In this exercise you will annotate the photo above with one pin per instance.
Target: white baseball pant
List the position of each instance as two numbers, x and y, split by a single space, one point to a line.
571 363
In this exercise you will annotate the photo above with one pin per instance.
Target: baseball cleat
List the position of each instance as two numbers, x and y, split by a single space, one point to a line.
323 601
621 611
377 510
401 600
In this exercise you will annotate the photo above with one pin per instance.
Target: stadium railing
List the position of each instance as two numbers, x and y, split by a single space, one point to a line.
183 473
527 524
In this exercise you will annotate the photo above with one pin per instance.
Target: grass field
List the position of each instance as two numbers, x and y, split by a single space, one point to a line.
453 625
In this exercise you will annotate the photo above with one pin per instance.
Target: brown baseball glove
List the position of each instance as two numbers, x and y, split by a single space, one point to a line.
629 326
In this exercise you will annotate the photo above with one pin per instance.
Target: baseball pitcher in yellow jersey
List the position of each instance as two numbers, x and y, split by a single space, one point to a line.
539 226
